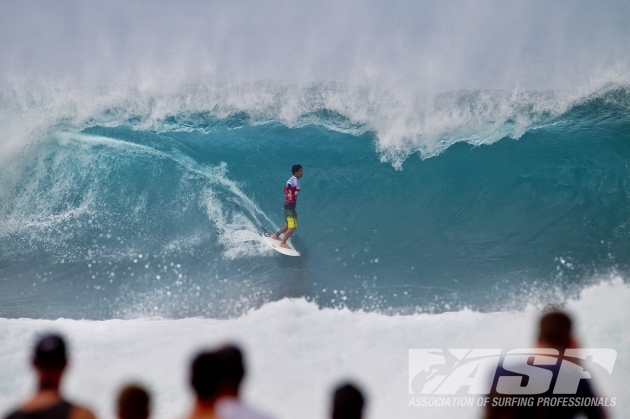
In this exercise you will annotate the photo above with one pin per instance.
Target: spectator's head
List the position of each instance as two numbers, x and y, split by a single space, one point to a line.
133 403
206 374
50 353
555 331
49 360
348 402
231 359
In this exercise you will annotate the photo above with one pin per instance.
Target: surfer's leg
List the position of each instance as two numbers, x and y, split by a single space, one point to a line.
291 217
276 235
283 243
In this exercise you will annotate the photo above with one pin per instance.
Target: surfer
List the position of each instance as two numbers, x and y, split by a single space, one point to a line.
291 190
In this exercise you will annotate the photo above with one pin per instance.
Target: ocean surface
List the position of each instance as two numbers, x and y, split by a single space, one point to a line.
466 165
500 204
144 216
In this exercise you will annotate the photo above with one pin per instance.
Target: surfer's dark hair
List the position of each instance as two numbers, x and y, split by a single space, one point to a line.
296 168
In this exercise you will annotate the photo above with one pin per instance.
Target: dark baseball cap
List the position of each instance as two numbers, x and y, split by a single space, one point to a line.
50 352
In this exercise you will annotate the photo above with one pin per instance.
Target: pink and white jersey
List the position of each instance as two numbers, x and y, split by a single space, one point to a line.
291 190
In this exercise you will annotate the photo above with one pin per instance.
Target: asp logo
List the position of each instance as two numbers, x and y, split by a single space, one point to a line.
473 371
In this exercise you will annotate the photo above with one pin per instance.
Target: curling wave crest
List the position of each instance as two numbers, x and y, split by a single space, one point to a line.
404 123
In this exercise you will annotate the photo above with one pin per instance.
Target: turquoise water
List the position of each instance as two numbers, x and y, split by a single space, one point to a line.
465 163
106 220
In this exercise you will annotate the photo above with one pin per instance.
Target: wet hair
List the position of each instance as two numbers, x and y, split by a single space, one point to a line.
206 374
133 402
231 359
348 402
50 352
296 168
555 329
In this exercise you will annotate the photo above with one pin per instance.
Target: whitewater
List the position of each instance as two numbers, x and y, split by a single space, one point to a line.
465 167
297 352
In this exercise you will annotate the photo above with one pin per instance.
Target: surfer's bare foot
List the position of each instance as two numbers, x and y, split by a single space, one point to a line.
275 237
286 246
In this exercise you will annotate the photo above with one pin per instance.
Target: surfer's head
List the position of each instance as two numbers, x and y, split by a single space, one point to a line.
297 170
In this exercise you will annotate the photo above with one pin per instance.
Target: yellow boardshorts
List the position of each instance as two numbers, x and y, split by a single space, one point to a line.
291 218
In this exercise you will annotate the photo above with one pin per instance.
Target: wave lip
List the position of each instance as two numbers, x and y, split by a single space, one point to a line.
403 124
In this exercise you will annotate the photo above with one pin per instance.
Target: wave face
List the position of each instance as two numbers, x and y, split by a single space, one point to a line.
153 205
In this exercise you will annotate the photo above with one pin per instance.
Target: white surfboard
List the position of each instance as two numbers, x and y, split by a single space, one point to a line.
275 245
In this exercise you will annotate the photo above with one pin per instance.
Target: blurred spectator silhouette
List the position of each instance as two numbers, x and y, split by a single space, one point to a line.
50 361
554 334
133 403
205 378
230 405
348 402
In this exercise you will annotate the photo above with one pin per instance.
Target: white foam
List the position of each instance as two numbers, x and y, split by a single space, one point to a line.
35 210
237 233
296 352
405 122
364 60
